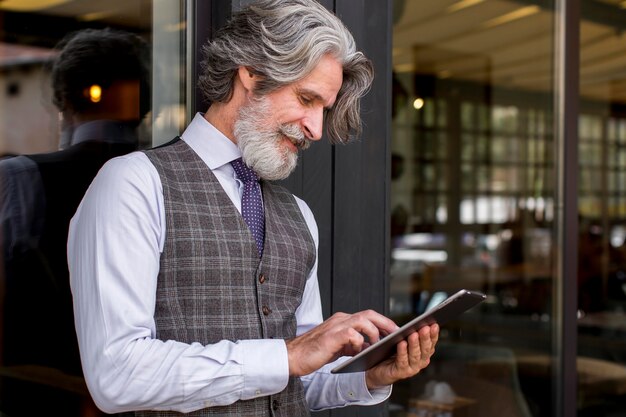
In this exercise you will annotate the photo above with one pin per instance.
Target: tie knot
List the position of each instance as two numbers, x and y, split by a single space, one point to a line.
243 171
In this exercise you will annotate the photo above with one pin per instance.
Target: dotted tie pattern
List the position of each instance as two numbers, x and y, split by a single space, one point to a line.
251 203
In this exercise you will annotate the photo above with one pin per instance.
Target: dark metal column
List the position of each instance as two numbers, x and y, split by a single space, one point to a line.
567 15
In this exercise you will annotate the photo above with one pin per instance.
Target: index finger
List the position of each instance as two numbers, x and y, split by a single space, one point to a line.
374 324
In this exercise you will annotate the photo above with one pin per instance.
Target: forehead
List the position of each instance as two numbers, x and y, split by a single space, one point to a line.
324 81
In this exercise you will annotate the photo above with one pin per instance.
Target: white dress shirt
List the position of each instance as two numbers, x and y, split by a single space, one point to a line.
115 241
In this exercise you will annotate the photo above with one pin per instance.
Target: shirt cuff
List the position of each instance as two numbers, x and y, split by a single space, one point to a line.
353 388
265 367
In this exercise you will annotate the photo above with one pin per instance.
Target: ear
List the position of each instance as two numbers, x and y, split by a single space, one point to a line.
247 78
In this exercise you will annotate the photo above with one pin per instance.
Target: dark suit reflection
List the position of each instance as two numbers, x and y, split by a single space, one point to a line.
39 195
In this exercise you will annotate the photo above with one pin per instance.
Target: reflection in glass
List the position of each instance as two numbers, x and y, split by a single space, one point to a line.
65 109
481 210
601 206
490 63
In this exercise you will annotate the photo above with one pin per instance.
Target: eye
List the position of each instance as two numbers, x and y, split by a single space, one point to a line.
306 101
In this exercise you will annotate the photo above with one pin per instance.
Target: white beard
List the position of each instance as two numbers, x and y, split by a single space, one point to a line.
261 143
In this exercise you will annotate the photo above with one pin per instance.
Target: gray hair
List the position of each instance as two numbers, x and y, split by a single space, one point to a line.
282 41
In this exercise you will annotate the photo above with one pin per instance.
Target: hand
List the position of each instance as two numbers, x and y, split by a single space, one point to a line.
412 355
342 334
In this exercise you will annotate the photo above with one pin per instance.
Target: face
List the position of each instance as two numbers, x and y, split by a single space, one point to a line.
271 129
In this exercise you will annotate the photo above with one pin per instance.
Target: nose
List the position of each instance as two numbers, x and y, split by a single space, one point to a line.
313 123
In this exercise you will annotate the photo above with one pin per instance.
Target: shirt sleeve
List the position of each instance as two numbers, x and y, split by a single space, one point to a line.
325 390
22 205
113 255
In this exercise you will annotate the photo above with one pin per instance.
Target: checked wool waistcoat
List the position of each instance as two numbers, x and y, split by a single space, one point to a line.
212 286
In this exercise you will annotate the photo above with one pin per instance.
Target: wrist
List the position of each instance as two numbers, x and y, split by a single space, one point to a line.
376 378
292 359
370 380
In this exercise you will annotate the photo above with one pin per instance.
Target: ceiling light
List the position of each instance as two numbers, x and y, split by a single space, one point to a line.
404 67
509 17
90 17
463 4
29 5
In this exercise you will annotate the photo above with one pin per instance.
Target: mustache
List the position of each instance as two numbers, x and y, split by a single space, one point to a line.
295 135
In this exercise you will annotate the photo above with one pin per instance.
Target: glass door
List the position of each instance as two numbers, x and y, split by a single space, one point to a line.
473 201
601 360
81 81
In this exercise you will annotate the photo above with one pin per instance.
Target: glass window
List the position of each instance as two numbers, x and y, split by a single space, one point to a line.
481 213
80 82
490 62
601 361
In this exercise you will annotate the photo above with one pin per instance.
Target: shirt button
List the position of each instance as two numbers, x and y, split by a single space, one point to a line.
275 405
266 310
262 278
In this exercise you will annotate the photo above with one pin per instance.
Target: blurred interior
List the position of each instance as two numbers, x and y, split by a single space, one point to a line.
473 202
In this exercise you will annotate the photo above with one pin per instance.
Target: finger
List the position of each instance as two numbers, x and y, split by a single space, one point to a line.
402 355
383 323
434 333
355 342
348 331
366 327
425 334
373 324
426 343
357 325
434 337
415 351
337 317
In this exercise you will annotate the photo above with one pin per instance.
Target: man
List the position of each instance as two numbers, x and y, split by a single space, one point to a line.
188 297
40 194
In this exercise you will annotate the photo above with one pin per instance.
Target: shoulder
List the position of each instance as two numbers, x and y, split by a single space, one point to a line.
285 195
127 190
87 152
132 163
304 209
15 165
19 172
130 173
309 218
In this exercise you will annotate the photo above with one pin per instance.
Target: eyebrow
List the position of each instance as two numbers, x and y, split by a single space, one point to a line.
314 95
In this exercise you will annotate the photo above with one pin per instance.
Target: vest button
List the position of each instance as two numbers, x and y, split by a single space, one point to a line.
266 310
275 405
262 278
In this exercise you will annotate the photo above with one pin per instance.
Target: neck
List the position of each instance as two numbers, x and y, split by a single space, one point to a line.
223 116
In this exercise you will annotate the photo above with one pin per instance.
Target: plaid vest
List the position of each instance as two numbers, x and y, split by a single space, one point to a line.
212 285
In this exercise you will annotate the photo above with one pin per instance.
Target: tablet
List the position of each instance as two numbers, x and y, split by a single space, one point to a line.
447 310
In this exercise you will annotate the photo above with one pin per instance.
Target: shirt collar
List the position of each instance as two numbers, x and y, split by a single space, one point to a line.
210 144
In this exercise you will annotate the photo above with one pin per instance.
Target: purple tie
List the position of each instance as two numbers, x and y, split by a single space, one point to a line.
251 204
